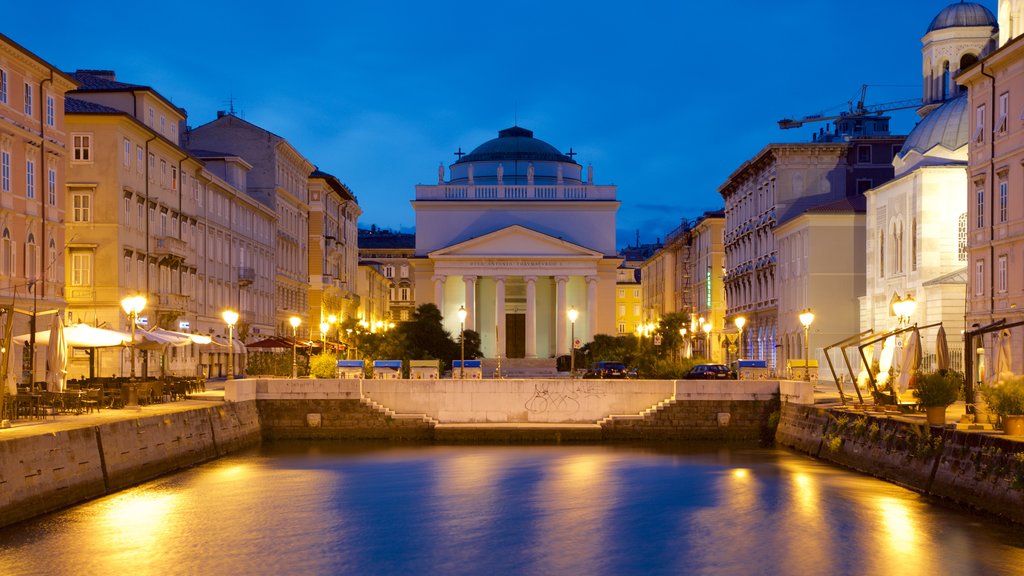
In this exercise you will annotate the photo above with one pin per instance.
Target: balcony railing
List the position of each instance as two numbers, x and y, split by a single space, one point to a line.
518 192
246 275
169 248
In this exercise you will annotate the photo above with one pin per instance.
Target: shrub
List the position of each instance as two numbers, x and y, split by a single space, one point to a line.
1006 397
939 388
324 366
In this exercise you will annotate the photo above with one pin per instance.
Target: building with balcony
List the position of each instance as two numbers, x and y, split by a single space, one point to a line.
518 235
628 300
393 251
702 254
279 179
34 152
995 176
333 250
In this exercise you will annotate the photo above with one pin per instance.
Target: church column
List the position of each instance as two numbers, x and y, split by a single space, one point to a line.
439 292
561 345
470 282
591 308
499 314
531 316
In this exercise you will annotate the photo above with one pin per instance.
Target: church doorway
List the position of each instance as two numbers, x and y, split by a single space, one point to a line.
515 335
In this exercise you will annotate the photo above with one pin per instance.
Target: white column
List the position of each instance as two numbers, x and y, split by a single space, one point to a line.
470 282
439 292
531 316
561 343
591 308
499 314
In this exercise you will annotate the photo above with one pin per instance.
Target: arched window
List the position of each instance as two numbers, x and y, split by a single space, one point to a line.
31 258
945 80
7 250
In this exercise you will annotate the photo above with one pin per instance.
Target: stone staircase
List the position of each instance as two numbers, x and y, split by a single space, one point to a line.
389 413
521 368
612 419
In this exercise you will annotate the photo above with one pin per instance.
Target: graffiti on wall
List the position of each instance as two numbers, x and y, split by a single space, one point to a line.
566 396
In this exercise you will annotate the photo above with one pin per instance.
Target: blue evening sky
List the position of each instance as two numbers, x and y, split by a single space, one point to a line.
665 99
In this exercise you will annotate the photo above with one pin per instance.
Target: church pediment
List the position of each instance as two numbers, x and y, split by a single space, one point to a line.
517 241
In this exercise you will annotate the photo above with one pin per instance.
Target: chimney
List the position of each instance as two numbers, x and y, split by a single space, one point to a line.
221 113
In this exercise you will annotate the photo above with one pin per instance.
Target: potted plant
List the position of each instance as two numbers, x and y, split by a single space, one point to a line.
1006 398
935 391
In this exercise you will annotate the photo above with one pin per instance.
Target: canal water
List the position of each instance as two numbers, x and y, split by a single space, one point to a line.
323 508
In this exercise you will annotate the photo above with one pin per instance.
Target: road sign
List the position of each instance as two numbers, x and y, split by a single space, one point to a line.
577 344
657 339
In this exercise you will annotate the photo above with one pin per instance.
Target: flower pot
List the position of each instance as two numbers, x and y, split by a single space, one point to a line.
1013 425
936 415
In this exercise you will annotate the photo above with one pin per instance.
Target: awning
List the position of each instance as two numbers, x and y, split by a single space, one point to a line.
158 338
82 336
219 345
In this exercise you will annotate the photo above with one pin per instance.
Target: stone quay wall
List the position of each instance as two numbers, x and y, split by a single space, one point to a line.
47 472
984 471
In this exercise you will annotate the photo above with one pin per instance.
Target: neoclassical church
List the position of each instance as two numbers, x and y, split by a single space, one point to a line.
518 237
917 224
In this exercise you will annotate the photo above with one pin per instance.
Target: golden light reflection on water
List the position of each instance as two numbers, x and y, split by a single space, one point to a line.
131 525
574 498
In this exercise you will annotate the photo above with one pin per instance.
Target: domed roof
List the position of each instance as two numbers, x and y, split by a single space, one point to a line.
963 14
946 126
513 144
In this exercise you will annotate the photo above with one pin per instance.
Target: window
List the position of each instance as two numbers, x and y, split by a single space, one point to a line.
404 294
636 293
864 184
3 86
389 271
881 253
151 113
1001 273
636 309
51 262
863 154
81 208
31 258
30 179
82 148
81 268
5 171
28 99
622 310
979 124
980 215
127 154
174 178
1003 193
7 250
163 124
622 292
128 211
913 244
51 186
403 272
139 156
979 278
50 118
1004 110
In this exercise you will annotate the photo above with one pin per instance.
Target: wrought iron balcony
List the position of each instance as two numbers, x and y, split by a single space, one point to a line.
246 275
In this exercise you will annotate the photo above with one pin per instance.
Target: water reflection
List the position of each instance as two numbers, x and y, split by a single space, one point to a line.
321 508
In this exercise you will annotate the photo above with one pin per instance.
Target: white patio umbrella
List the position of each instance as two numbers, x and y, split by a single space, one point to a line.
941 350
1004 357
910 361
56 356
82 336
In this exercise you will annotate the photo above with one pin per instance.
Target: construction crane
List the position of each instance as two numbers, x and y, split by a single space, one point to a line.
859 110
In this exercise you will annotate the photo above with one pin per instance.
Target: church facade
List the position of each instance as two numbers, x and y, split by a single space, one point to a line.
518 237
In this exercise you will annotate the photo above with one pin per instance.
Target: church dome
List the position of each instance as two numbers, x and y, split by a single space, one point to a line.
946 126
962 15
515 144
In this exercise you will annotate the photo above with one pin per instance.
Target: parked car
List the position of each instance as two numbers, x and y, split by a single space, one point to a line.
606 369
708 372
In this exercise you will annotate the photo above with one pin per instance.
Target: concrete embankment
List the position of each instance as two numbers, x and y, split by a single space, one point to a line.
984 471
43 472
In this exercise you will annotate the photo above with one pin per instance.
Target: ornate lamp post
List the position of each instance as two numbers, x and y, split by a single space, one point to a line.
132 306
573 315
903 308
806 317
462 340
295 321
230 318
740 321
707 338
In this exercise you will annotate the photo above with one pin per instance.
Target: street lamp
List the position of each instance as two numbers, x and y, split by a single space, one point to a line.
740 321
462 340
806 317
295 321
573 314
132 306
231 317
707 337
903 308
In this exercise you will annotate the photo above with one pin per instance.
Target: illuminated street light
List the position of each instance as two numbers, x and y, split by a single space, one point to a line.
462 340
682 341
133 305
707 337
740 321
903 308
231 317
806 317
295 321
324 327
573 314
